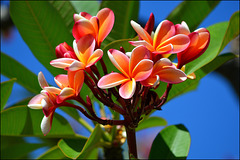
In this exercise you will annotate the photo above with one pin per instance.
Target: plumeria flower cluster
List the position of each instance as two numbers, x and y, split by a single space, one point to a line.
140 70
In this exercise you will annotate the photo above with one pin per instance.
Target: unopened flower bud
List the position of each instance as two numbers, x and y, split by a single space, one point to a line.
63 50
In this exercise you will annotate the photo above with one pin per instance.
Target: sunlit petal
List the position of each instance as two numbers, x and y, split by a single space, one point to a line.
35 102
61 80
46 124
141 32
53 90
76 65
142 70
78 81
65 93
182 28
119 60
151 81
62 62
112 80
42 81
127 89
97 54
164 49
171 75
144 43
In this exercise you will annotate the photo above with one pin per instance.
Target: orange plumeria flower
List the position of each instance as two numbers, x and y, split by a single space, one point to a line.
164 70
190 76
98 26
84 50
163 41
135 69
199 41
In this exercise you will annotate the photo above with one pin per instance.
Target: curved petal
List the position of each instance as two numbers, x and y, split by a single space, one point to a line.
46 124
164 49
35 102
172 75
182 28
127 89
82 28
160 64
144 43
112 80
142 70
42 81
76 65
151 81
78 81
141 32
62 80
95 22
139 53
85 48
164 31
81 15
106 21
97 54
65 93
180 42
119 60
62 62
53 90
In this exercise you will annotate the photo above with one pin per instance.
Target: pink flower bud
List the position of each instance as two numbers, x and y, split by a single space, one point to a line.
63 50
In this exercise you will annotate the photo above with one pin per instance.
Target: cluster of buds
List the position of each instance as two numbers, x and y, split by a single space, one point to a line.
140 70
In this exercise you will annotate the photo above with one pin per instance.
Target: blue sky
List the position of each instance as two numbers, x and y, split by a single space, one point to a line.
211 113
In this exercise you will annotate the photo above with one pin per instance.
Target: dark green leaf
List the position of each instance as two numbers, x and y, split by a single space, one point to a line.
151 122
6 89
220 35
17 148
90 7
192 12
53 153
173 142
23 121
124 12
16 70
81 148
42 27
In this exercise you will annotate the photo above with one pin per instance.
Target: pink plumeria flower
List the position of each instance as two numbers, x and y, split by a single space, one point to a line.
86 56
190 76
45 101
63 50
163 41
199 41
136 68
98 26
164 70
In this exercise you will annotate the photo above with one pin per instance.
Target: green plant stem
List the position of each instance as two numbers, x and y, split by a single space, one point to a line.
85 124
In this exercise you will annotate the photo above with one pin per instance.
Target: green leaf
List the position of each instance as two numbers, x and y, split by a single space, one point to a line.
151 122
124 12
220 35
6 89
16 70
81 148
42 27
192 12
53 153
23 121
90 7
173 142
16 147
22 102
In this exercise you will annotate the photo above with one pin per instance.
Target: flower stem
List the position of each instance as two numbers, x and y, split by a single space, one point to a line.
131 140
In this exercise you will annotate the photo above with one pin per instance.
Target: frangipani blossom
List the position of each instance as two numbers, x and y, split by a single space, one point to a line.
189 76
45 101
86 56
98 26
199 41
163 41
135 69
164 70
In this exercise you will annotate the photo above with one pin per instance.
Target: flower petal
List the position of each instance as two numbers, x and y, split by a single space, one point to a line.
76 65
180 42
65 93
62 80
112 80
162 63
97 54
53 90
62 62
151 81
141 32
144 43
106 21
164 49
139 53
172 75
46 124
142 70
127 89
35 102
164 31
119 60
85 48
78 81
182 28
82 28
42 81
